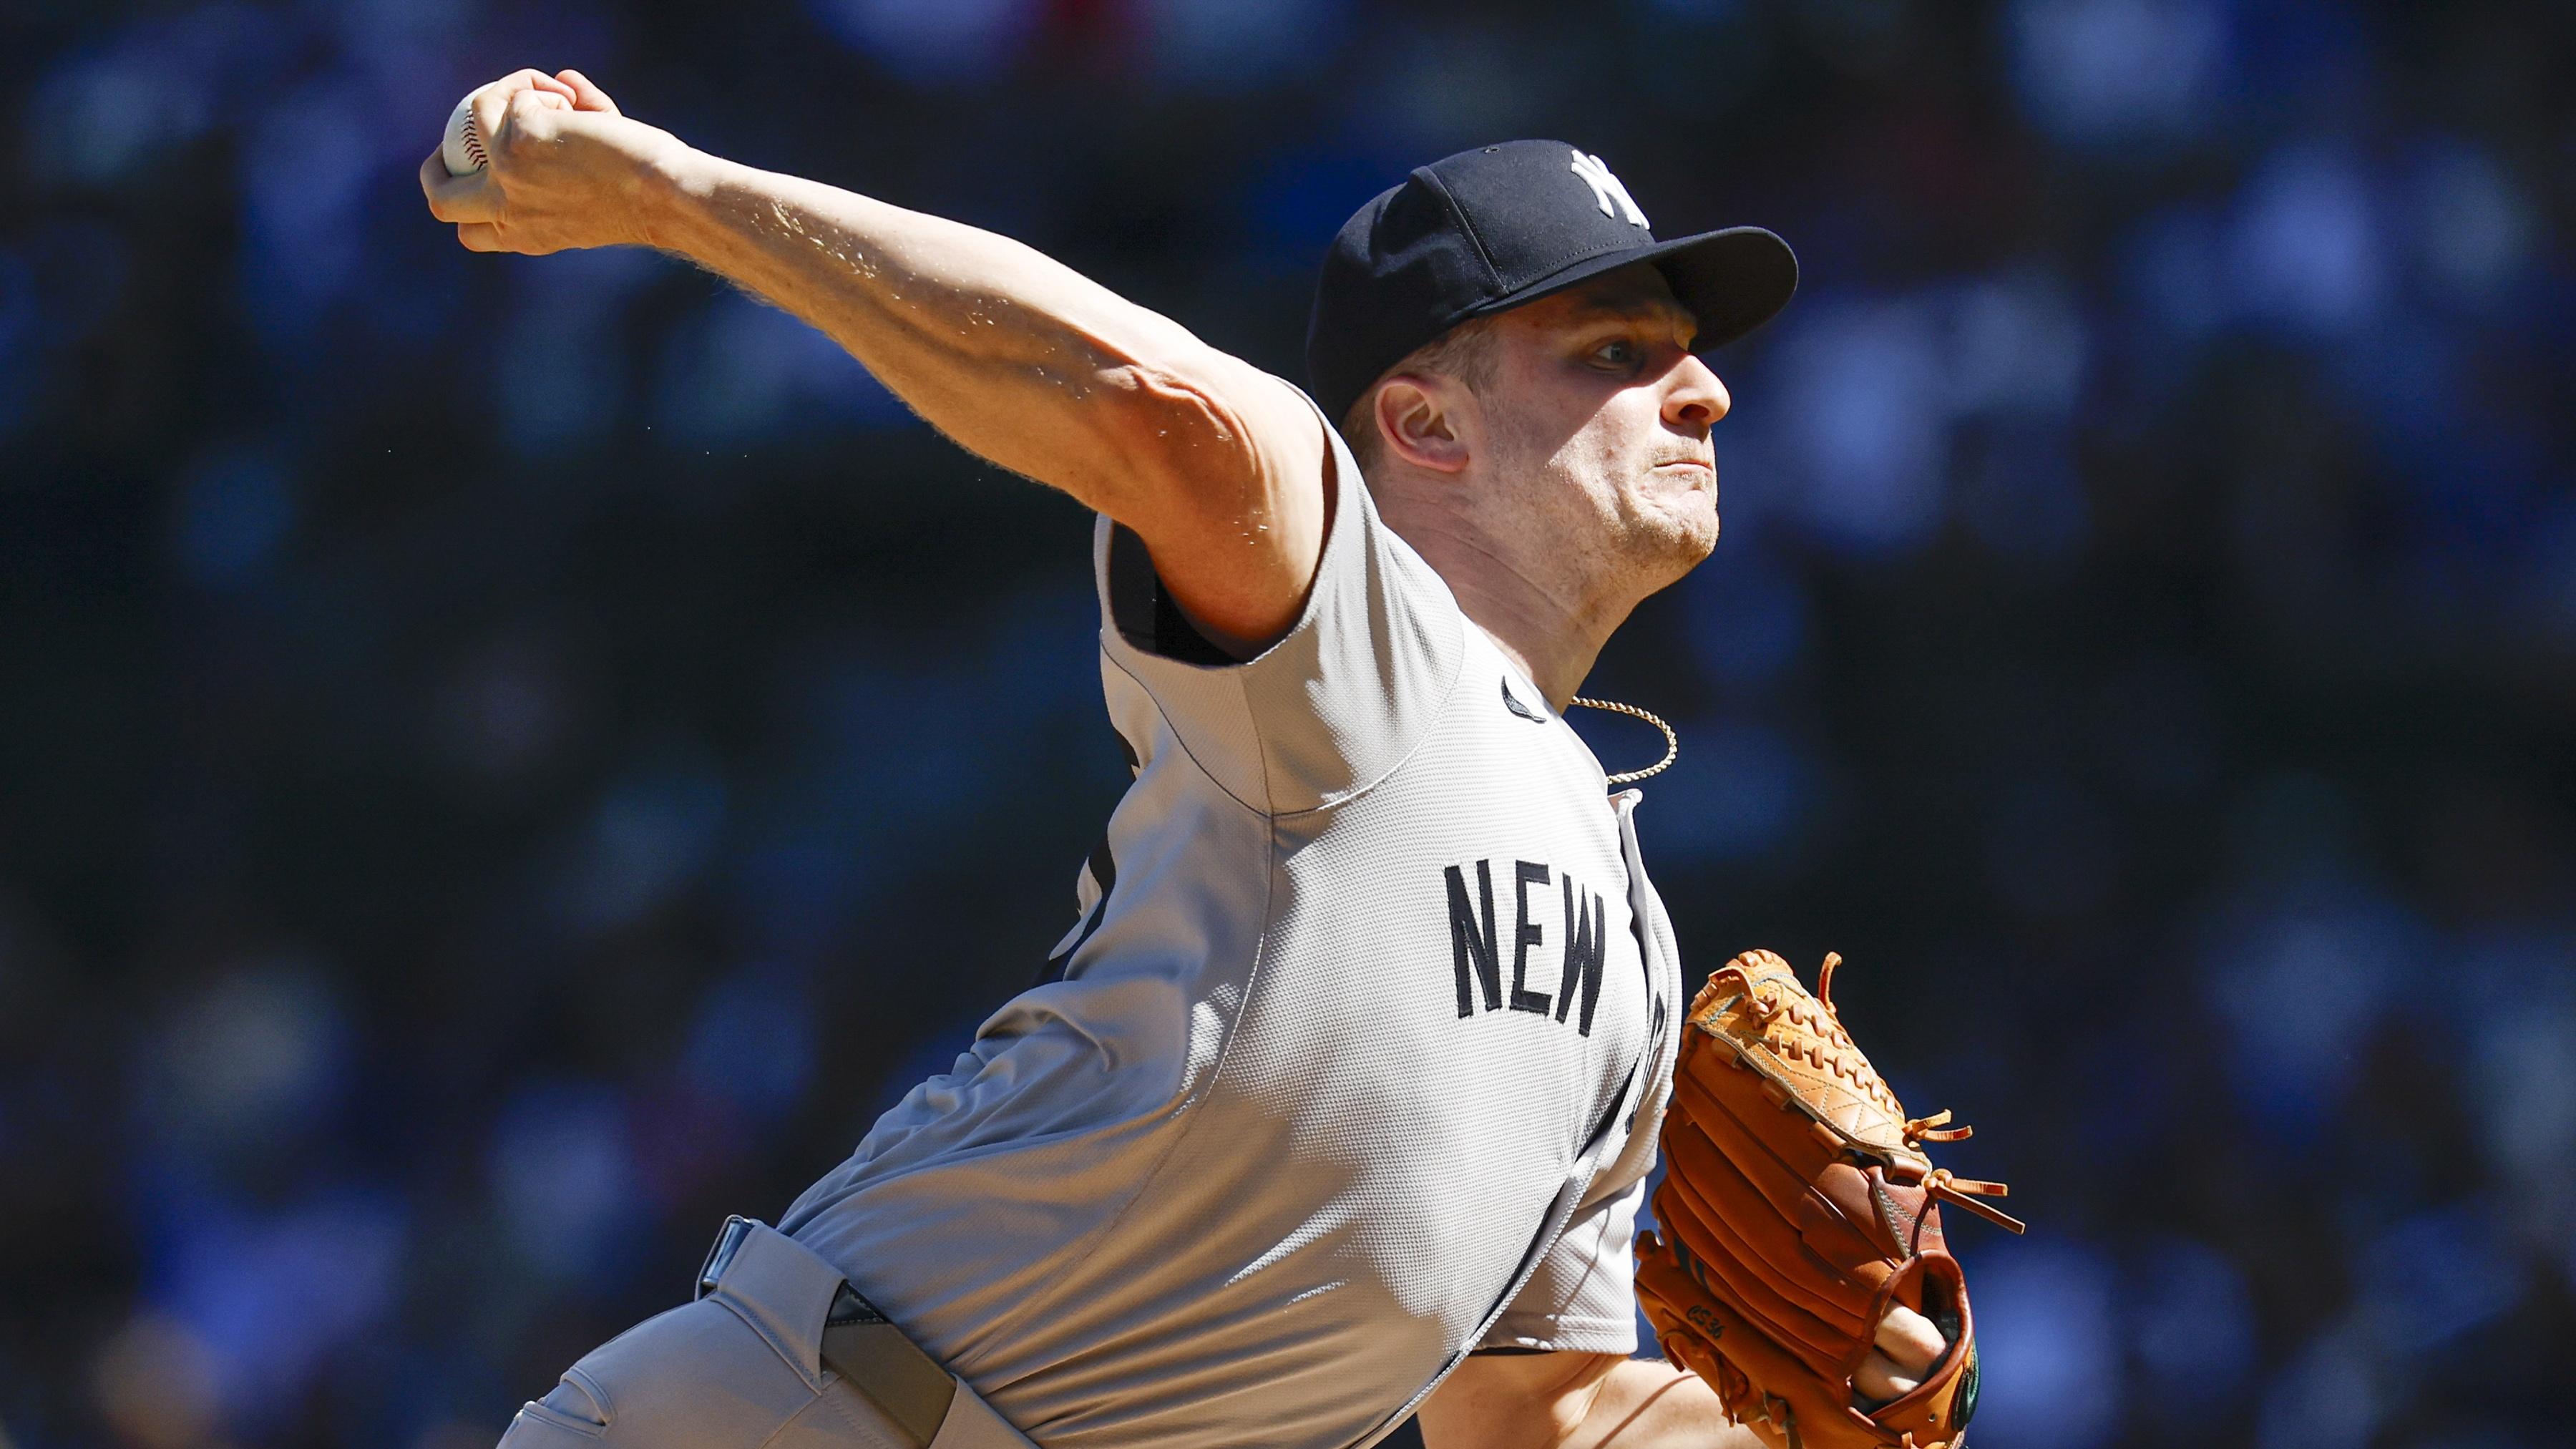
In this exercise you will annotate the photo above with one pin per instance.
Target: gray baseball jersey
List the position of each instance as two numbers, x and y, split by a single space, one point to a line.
1364 962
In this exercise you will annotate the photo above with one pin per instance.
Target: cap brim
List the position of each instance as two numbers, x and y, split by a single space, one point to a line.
1732 280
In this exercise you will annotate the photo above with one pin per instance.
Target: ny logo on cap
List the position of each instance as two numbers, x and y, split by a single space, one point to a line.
1606 188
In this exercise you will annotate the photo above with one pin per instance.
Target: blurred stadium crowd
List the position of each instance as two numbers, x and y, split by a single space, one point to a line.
508 761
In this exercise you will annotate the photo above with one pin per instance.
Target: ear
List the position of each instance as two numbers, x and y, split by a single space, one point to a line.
1427 421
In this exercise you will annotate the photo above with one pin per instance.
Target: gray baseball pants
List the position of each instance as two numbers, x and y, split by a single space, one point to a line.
740 1368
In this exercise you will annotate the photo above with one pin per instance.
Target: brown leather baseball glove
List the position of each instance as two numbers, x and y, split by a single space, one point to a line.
1797 1207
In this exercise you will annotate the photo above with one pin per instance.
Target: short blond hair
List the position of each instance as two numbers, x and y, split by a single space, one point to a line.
1465 352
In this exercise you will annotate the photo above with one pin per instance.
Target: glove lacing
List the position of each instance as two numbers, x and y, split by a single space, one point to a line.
1828 1047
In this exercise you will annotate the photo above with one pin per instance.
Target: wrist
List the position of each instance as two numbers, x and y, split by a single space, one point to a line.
671 191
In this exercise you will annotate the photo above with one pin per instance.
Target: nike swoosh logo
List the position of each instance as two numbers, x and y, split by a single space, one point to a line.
1518 708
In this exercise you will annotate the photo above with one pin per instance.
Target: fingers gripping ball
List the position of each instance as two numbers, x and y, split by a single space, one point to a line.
1797 1210
465 149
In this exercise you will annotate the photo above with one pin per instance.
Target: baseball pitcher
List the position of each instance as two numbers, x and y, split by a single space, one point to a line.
1333 1112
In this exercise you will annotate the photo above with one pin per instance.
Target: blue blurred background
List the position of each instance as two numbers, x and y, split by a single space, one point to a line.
504 762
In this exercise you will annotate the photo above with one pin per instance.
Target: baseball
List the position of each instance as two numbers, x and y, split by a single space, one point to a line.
462 148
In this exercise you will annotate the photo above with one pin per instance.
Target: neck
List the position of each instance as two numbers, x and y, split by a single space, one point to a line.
1542 623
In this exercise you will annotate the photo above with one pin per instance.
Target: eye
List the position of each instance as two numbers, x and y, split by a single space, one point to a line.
1619 352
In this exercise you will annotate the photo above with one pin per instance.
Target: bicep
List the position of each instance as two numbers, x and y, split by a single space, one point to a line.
1226 485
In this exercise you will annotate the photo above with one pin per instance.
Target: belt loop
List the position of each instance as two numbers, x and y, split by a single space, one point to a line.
720 1255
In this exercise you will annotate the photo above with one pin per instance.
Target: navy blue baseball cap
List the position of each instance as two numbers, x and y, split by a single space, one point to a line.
1487 230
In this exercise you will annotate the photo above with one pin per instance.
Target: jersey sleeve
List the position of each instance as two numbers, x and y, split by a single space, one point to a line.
1583 1296
1332 707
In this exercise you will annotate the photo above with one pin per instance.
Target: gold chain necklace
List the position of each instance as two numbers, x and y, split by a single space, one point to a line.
1672 742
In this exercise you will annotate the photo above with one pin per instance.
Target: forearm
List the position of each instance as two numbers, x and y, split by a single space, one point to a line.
1015 356
1576 1401
1651 1405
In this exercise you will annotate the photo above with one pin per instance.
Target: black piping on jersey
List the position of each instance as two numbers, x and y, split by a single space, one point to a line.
1610 1113
1104 874
1655 1029
1143 609
1513 703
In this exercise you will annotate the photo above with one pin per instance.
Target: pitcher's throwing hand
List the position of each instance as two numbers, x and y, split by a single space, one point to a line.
564 169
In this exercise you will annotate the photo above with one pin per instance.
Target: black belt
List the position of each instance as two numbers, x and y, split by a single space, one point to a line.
863 1346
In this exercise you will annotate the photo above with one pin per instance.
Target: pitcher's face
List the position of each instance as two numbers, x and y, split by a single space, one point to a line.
1597 427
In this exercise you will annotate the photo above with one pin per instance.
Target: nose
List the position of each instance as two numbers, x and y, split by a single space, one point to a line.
1693 397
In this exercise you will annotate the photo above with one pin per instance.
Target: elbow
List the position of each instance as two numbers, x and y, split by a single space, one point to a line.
1177 442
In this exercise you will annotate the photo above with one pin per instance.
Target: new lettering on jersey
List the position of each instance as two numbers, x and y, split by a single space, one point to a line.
1477 964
